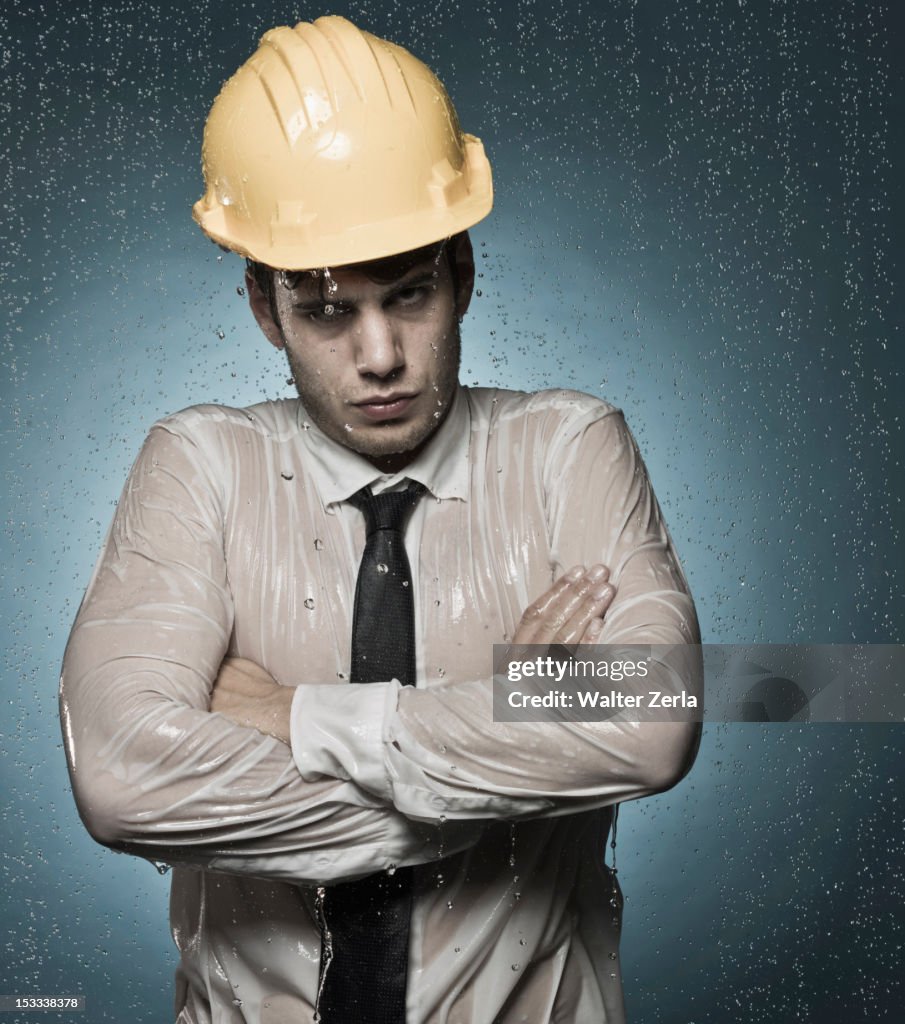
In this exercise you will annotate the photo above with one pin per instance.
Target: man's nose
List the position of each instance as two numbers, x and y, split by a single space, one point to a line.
378 350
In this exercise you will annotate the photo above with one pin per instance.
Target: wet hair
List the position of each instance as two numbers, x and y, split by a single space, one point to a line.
381 271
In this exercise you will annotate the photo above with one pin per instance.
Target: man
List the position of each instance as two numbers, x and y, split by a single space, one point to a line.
230 695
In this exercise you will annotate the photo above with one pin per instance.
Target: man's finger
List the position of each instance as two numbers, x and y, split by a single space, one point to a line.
592 632
538 610
596 600
566 607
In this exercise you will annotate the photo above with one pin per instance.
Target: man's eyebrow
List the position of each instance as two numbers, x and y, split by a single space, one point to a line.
312 302
425 277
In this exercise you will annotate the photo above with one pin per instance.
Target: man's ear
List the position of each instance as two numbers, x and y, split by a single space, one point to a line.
463 258
260 308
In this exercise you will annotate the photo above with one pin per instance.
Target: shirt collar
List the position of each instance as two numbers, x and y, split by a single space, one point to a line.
442 466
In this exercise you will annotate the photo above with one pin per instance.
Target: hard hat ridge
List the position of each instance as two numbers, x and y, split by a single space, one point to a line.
330 146
368 61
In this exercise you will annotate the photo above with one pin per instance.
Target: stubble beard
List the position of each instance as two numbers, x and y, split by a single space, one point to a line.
370 443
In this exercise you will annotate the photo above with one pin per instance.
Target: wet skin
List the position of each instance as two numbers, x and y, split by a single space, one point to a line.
375 362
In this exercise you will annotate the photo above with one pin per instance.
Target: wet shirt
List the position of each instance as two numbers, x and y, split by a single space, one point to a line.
234 536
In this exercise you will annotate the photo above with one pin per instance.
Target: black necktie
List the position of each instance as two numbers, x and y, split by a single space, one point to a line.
368 920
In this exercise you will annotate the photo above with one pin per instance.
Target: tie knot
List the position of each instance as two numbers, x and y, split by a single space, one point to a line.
389 510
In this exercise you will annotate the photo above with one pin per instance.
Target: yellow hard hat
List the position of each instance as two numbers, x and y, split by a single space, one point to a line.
330 146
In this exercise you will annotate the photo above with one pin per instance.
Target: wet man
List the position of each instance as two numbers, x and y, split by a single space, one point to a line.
279 679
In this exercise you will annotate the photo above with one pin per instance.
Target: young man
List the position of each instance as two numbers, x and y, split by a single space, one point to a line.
280 673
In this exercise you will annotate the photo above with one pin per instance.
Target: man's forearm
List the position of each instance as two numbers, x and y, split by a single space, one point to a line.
249 696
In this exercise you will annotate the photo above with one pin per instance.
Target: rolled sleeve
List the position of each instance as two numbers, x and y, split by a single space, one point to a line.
339 732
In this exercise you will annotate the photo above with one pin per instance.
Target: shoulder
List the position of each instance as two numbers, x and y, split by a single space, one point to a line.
551 412
265 417
272 421
219 442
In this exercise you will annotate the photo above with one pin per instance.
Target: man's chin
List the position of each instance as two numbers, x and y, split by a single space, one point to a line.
389 439
392 445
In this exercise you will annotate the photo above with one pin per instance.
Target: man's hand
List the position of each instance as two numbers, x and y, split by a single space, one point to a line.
249 696
571 611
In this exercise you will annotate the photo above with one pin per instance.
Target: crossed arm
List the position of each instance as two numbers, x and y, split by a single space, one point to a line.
570 612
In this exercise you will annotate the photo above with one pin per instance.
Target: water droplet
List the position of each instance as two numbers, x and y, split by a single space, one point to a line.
318 544
240 290
305 425
290 381
326 947
479 293
162 868
382 568
309 603
329 310
405 583
220 334
515 967
449 905
458 949
347 427
287 476
391 870
612 956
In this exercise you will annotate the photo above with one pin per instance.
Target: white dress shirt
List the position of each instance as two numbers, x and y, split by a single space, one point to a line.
234 537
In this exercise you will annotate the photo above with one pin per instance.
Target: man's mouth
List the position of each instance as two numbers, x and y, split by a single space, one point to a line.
386 407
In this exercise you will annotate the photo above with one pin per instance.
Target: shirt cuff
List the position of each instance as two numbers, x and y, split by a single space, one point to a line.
337 730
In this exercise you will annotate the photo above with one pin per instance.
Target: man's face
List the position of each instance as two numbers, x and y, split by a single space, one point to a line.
375 362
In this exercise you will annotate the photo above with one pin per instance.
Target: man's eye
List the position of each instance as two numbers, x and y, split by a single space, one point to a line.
327 314
410 296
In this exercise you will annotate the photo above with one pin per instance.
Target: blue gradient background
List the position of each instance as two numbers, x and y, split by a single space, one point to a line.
698 217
